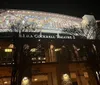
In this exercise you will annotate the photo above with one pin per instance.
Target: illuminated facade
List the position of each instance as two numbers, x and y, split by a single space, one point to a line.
40 20
42 48
43 22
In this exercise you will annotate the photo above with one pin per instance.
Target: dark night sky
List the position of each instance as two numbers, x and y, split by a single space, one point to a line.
69 9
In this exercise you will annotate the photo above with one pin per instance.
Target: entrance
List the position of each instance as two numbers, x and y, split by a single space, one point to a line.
44 74
40 79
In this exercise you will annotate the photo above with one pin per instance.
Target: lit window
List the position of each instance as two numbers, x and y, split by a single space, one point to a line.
8 50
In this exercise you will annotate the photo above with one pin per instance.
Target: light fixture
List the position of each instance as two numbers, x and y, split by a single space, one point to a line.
5 82
33 50
57 49
23 22
65 77
25 81
8 50
35 79
25 78
44 58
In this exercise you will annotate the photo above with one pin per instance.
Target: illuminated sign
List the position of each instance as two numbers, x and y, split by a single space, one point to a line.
46 35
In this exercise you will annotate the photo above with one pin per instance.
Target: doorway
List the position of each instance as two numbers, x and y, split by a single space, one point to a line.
40 79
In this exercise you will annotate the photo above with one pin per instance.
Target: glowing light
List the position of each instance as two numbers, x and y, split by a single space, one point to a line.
25 81
33 50
35 79
5 82
65 77
25 78
8 50
39 39
42 18
96 72
44 58
58 49
39 58
23 22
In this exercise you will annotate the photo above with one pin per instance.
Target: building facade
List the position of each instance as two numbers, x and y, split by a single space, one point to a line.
49 49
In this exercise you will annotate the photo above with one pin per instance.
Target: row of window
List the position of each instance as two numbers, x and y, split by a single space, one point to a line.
51 53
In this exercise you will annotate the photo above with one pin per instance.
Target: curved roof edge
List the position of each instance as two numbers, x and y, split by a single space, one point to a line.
40 12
